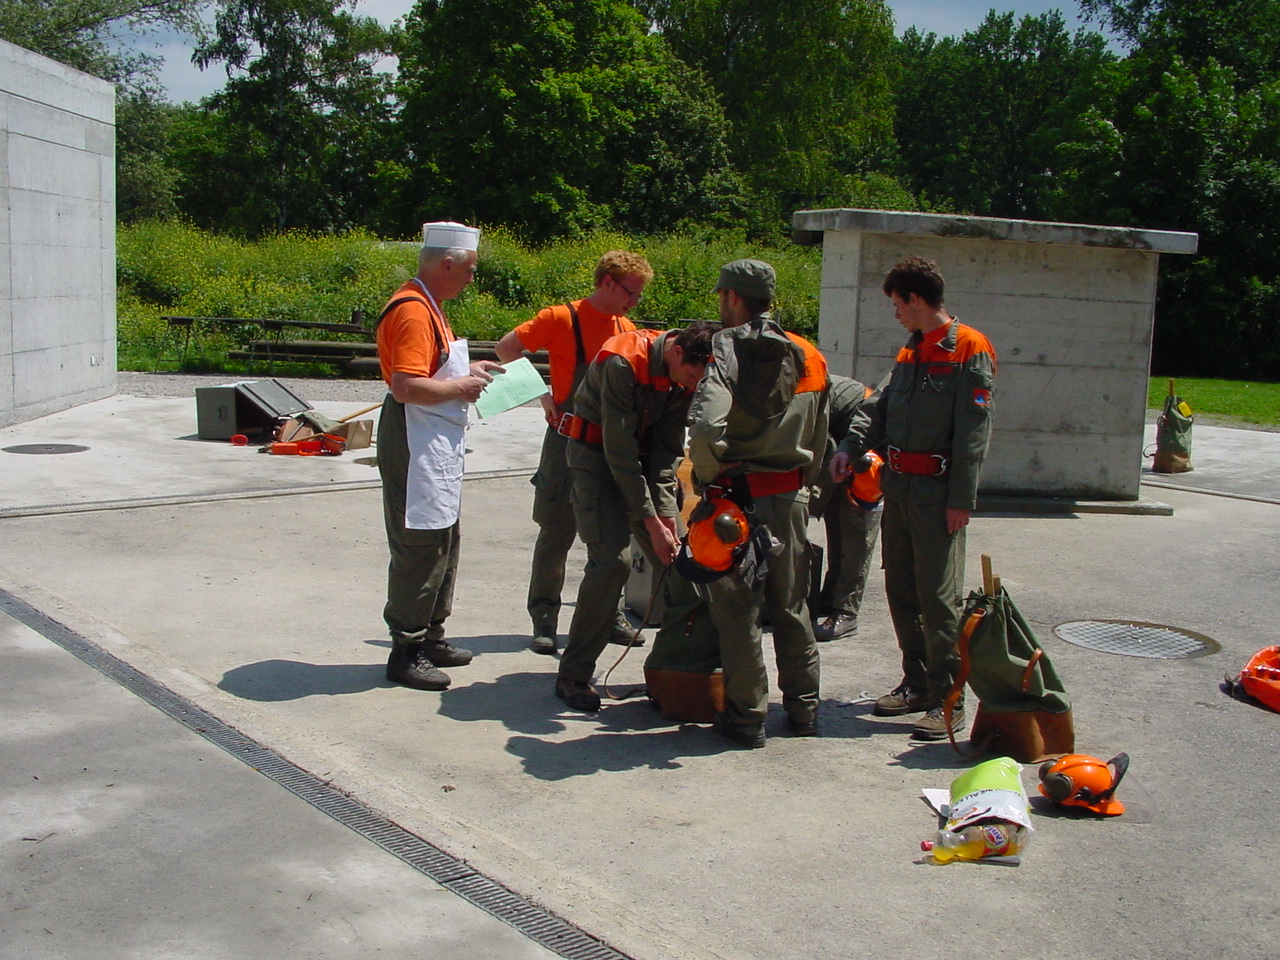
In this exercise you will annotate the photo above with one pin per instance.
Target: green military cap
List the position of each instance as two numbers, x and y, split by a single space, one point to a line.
748 278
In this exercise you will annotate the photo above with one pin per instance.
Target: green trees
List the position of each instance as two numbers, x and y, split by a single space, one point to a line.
555 117
564 117
293 139
1197 113
805 87
79 32
992 122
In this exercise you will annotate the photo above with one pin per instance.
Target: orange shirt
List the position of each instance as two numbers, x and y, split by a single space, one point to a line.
552 330
409 336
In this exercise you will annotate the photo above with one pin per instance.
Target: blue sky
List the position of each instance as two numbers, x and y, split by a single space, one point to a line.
943 17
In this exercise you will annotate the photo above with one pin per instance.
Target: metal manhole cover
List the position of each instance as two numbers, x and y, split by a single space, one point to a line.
1132 638
46 448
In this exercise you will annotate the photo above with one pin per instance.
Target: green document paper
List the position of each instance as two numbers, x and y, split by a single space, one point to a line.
520 384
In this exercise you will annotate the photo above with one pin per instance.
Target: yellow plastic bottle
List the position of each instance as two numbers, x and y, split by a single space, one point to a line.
975 842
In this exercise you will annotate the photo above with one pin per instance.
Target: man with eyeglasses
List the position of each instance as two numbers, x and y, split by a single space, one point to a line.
572 334
931 425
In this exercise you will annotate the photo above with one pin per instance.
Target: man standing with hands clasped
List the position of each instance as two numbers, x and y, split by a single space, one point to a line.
431 380
931 425
626 438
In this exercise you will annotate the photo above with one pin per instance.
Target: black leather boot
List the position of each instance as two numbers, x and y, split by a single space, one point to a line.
409 666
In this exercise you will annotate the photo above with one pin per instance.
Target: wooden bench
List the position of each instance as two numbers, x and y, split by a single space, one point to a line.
276 347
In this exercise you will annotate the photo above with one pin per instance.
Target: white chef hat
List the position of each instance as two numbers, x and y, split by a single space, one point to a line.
445 235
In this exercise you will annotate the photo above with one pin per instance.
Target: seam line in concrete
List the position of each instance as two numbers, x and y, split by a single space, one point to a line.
533 921
252 493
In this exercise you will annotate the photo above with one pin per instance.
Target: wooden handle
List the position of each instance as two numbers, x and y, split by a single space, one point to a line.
352 416
988 581
1171 386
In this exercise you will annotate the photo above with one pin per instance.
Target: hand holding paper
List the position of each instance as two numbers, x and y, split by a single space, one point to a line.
519 384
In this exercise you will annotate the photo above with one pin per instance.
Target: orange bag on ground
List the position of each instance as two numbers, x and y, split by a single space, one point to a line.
1260 677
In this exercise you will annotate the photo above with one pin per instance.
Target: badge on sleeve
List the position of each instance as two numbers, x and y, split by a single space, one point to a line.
981 397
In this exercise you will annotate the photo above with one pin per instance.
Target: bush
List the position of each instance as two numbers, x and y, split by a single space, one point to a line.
174 269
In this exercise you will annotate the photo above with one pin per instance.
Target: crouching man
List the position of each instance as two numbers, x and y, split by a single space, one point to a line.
626 439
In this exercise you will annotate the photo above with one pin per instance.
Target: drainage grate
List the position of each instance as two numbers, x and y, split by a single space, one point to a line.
1132 638
39 448
539 925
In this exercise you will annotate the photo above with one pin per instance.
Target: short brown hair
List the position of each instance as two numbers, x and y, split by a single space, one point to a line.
695 341
619 263
915 275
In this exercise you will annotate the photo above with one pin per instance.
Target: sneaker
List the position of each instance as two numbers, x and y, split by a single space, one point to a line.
933 725
544 639
748 736
835 627
902 699
443 654
624 634
409 667
578 695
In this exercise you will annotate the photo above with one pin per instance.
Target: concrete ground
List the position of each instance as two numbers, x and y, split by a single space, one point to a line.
250 587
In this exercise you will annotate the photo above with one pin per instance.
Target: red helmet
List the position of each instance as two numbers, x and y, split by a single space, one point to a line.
1079 780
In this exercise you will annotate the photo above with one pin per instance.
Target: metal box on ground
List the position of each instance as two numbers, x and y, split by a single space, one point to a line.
640 586
244 407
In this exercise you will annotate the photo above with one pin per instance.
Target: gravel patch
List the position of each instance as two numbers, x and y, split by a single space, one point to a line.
136 384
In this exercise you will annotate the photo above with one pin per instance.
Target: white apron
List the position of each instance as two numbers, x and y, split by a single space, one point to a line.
437 436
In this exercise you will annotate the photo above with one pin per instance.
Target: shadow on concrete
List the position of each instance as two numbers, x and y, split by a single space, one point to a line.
523 702
270 681
616 752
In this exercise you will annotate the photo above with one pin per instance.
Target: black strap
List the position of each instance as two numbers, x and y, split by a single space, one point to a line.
581 356
442 351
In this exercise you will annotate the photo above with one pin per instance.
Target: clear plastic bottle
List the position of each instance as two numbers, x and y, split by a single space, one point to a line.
1000 839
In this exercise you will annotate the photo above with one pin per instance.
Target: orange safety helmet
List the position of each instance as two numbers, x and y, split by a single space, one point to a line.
718 530
863 489
1079 780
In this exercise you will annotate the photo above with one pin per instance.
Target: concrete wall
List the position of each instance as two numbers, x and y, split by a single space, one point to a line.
57 236
1068 308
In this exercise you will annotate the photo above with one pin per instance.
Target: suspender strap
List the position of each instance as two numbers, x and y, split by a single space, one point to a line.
581 355
442 351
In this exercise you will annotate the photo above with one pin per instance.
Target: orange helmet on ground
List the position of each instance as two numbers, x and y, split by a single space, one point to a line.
717 531
1079 780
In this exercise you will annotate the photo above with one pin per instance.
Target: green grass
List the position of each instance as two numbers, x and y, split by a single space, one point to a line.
166 268
1230 400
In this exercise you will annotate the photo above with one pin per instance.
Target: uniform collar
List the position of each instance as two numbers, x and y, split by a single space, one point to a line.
943 337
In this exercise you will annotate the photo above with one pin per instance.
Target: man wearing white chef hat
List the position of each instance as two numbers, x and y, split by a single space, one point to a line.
431 380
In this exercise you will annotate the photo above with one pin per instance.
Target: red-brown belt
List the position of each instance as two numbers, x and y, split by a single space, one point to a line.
576 428
764 484
920 464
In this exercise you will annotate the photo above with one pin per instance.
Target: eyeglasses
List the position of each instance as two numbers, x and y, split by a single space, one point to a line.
634 294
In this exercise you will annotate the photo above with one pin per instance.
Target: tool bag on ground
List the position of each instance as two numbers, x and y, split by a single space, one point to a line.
682 669
1023 710
1173 436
